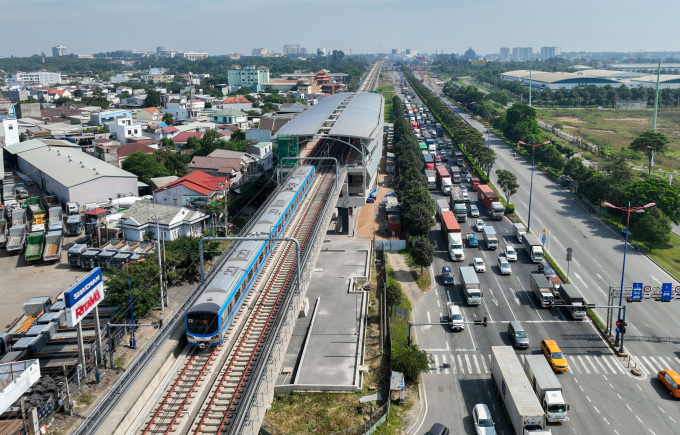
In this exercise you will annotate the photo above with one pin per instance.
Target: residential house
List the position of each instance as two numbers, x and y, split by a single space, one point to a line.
258 135
105 117
144 218
263 155
123 128
229 116
248 76
119 78
182 138
194 186
295 107
234 166
158 133
239 103
121 89
182 109
149 114
54 94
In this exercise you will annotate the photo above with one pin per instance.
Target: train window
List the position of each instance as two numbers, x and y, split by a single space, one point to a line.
202 323
250 274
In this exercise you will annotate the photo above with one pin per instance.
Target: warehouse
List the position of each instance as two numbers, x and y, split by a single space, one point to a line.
61 169
564 80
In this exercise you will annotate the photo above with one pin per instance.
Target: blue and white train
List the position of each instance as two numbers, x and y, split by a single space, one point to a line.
208 319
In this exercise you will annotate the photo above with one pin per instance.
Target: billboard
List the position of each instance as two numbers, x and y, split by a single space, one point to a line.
83 296
478 63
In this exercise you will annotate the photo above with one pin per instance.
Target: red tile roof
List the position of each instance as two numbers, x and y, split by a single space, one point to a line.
199 182
96 212
234 100
130 148
169 129
152 110
184 136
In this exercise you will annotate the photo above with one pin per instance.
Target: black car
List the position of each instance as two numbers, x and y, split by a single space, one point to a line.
445 158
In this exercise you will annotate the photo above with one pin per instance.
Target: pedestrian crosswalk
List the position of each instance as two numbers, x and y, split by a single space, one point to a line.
479 363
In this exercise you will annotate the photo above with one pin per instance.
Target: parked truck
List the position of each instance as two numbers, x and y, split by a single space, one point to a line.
443 179
471 288
533 247
74 225
37 211
519 230
523 409
455 174
75 253
490 237
461 212
18 216
55 219
490 202
16 239
34 246
442 206
542 289
547 387
431 176
53 242
567 294
472 240
3 231
452 234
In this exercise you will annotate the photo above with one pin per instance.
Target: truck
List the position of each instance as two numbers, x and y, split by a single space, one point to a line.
3 231
521 405
471 287
452 234
34 246
55 218
16 239
72 208
490 237
569 295
53 242
37 211
75 253
533 247
431 176
74 225
547 388
474 183
490 202
461 212
456 196
455 174
442 206
443 179
542 289
18 216
472 240
519 230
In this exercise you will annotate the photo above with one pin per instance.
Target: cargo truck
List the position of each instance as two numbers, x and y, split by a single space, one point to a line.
75 253
523 409
547 387
18 217
3 231
55 219
567 294
455 174
490 202
442 206
472 240
490 237
533 247
443 179
518 230
16 239
452 234
74 225
34 246
542 289
37 211
461 212
53 242
471 288
474 182
431 177
456 197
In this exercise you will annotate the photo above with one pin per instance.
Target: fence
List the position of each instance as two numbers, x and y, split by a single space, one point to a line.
390 245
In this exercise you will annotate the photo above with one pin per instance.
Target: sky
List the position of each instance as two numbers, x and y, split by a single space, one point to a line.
356 26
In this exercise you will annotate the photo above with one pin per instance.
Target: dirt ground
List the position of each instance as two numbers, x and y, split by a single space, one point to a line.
372 218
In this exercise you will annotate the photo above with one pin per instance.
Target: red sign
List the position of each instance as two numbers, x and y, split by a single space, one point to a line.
85 305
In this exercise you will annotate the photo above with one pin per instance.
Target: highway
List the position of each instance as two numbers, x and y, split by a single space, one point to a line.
602 392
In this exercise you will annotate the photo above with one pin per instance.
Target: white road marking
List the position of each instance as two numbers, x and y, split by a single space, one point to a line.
661 409
446 370
641 366
467 362
438 304
474 358
621 398
580 360
460 364
581 388
604 358
453 364
618 365
588 358
580 279
629 408
599 276
658 366
486 369
610 384
597 360
649 364
574 367
671 419
595 408
639 387
652 431
436 363
639 419
589 399
577 263
654 278
605 420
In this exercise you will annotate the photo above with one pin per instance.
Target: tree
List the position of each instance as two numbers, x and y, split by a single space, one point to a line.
650 142
417 218
507 182
168 118
192 143
124 94
238 135
654 226
575 168
422 253
153 98
486 158
144 166
393 296
410 360
657 191
143 288
78 93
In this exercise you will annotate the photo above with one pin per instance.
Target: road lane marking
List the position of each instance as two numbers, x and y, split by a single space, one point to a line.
659 366
620 398
581 279
605 420
595 408
483 358
610 384
677 360
639 419
660 409
581 388
474 358
446 370
655 278
574 367
649 364
436 363
671 419
629 408
604 358
589 399
438 304
597 360
453 364
617 364
460 364
467 362
641 366
652 431
583 365
589 359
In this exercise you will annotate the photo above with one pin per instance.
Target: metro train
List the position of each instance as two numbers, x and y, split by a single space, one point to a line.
208 319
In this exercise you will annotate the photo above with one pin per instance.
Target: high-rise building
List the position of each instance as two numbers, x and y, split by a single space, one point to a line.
505 53
294 49
160 49
522 53
248 76
550 52
321 52
259 52
58 51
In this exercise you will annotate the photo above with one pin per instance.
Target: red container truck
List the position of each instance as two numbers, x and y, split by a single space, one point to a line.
490 202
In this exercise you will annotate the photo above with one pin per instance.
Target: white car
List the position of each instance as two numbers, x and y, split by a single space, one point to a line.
504 266
463 188
468 178
478 264
510 253
466 196
474 211
481 417
479 225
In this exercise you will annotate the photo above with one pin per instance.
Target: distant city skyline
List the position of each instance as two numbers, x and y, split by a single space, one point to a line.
358 26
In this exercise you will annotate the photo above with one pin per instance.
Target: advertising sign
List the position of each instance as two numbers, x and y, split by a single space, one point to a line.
637 291
83 296
666 291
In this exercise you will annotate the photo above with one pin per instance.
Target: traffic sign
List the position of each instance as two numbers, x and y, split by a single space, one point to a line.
618 331
619 323
637 291
666 289
543 239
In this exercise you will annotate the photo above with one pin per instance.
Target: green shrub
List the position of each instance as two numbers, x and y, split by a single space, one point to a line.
510 209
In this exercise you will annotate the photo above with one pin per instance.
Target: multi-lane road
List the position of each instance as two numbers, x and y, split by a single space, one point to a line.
604 396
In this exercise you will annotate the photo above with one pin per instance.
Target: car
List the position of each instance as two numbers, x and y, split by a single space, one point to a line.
438 429
671 380
503 265
545 267
474 211
554 356
518 335
468 178
479 225
447 275
478 264
445 158
463 188
510 253
466 196
456 320
481 417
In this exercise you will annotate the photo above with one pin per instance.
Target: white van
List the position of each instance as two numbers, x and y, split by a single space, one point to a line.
456 321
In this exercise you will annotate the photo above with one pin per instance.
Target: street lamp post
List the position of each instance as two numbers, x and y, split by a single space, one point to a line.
625 246
531 185
132 314
651 160
487 130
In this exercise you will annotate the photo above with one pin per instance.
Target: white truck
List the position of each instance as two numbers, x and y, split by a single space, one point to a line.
533 247
471 287
512 386
542 288
431 179
490 237
547 387
518 230
446 185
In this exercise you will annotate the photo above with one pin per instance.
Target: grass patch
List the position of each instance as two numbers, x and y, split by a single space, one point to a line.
119 362
596 319
85 398
424 281
387 91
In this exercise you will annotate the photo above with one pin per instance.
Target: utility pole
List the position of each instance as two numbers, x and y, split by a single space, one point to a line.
160 264
656 96
226 208
530 72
